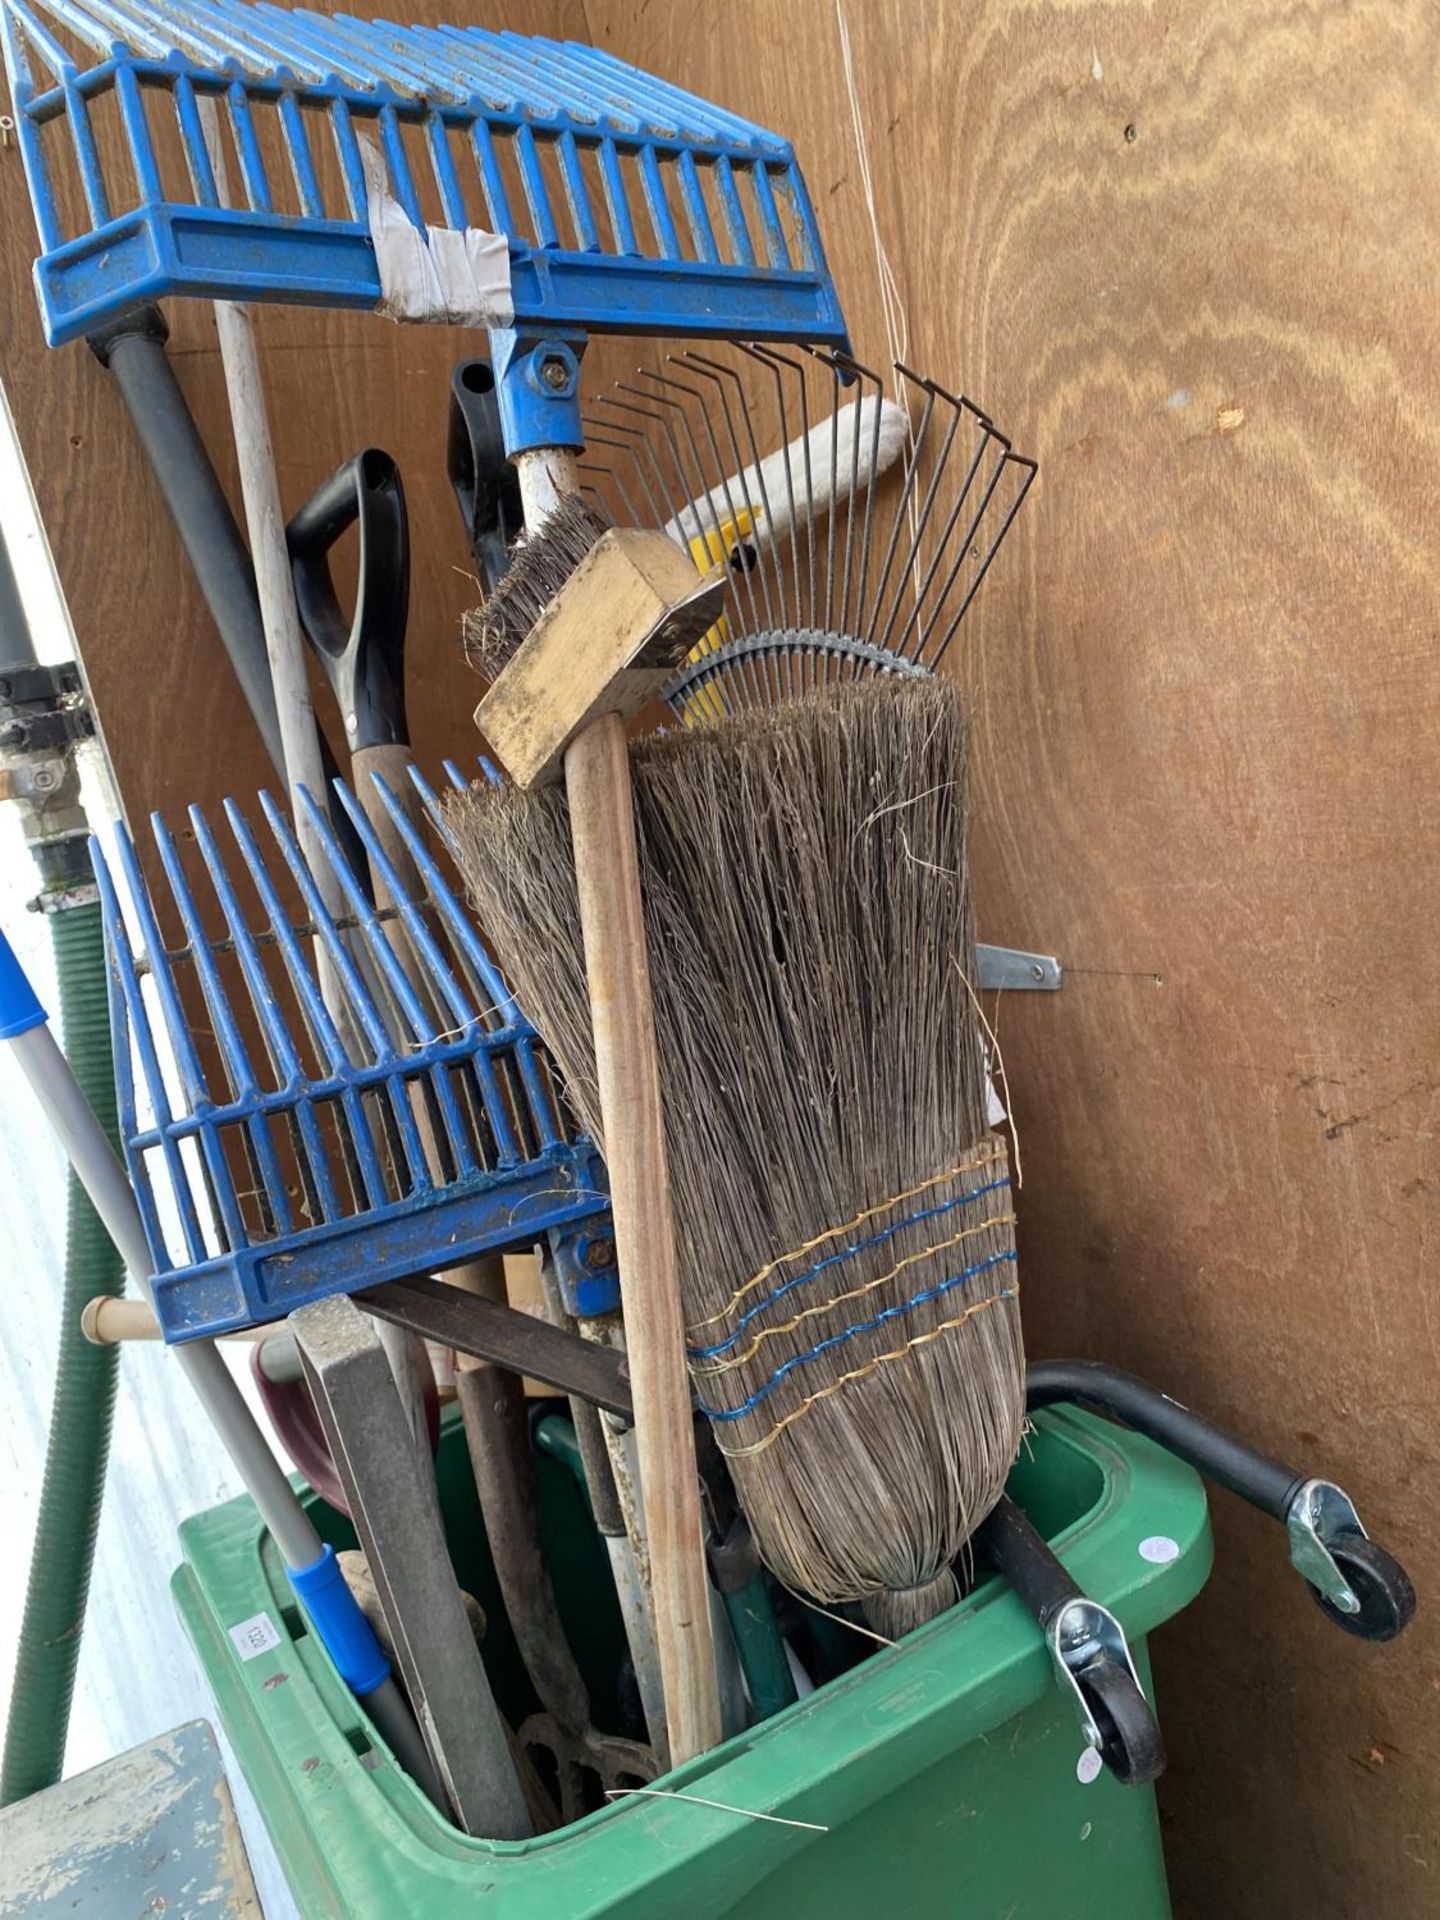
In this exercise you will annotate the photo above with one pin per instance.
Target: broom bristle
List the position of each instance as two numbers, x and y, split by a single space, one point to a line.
540 564
842 1213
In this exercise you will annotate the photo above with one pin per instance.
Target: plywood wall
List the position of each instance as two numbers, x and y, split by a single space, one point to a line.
1189 256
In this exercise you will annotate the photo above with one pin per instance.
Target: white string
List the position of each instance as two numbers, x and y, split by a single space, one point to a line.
897 325
892 307
721 1806
1001 1074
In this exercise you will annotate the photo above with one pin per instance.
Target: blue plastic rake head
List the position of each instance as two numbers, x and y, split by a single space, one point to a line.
349 1100
628 204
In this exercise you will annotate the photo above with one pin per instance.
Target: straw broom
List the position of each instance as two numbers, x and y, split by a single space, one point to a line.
843 1214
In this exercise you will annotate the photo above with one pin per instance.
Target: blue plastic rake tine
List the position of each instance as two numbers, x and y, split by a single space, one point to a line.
125 979
352 166
450 52
622 224
192 1075
235 1056
481 969
169 1130
359 1005
537 191
443 70
577 192
363 37
668 106
485 982
27 38
441 980
295 43
137 131
183 33
397 165
540 66
452 194
317 1015
416 1013
302 163
666 237
411 1168
123 1040
130 24
492 181
702 229
418 1017
473 59
192 133
462 1009
280 1046
777 254
478 52
741 246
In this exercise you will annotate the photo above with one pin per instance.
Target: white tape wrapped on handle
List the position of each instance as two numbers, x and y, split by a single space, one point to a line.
442 275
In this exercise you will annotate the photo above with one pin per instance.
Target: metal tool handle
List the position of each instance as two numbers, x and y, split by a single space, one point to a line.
1087 1645
363 657
487 489
1355 1582
132 347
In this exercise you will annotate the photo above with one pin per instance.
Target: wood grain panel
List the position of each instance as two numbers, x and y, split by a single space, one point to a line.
1187 255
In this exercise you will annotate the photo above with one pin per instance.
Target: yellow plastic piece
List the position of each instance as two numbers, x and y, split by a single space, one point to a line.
708 550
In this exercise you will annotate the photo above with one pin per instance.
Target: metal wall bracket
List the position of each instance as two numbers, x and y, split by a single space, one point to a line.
1013 968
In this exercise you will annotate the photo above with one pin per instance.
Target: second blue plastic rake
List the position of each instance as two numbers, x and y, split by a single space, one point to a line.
303 1142
627 203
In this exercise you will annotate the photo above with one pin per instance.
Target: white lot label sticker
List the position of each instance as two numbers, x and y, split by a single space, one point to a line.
1088 1766
1160 1549
255 1636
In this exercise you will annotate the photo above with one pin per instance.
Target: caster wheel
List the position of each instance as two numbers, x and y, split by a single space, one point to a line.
1130 1743
1379 1583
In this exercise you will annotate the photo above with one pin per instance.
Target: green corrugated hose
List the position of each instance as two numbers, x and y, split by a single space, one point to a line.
83 1406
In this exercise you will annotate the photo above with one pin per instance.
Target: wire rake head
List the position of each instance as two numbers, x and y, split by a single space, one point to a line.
348 1098
858 530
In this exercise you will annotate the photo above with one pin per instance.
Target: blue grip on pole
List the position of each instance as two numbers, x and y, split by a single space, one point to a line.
20 1009
335 1614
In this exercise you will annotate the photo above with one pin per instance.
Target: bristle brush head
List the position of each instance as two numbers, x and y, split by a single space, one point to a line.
540 564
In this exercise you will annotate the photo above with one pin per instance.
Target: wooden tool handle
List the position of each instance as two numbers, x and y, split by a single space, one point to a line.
485 1276
607 871
392 763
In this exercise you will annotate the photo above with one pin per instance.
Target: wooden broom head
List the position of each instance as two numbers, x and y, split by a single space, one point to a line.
843 1213
590 620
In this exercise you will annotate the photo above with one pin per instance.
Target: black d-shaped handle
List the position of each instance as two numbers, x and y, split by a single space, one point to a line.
364 659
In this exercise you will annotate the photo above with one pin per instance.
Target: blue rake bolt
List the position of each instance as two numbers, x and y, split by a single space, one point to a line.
313 1569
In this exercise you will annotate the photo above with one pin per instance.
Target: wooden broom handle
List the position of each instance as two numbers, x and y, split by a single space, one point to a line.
607 872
